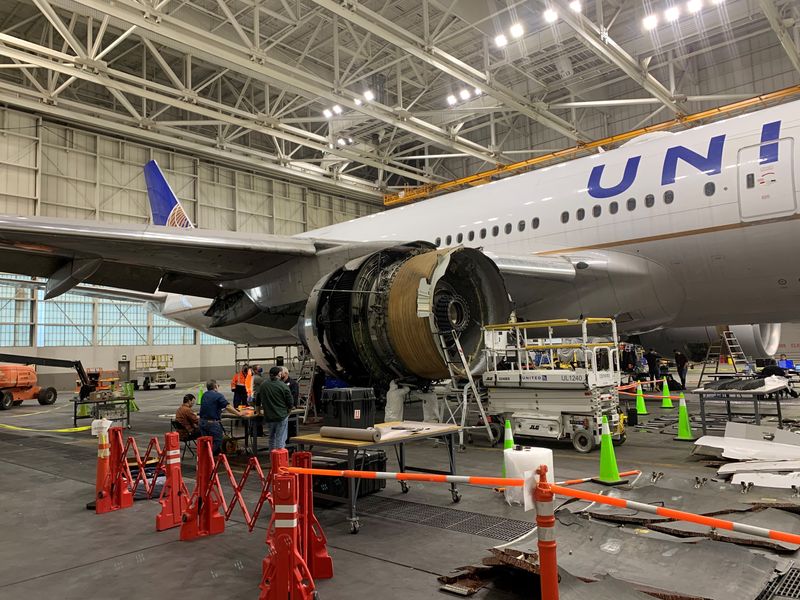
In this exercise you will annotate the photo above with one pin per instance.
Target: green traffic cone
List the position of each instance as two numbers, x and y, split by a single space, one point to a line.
684 428
609 473
641 407
508 442
666 401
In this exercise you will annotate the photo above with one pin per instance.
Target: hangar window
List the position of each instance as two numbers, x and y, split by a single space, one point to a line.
521 225
649 201
459 238
448 240
565 217
471 236
631 203
669 196
166 332
496 230
596 210
483 233
508 228
580 214
710 188
613 208
535 223
438 242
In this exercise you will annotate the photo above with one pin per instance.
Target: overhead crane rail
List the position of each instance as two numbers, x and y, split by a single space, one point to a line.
425 191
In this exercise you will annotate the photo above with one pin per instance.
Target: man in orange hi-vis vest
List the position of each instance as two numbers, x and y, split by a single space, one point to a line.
242 386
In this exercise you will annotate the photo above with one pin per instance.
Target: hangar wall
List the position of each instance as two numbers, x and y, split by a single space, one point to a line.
52 170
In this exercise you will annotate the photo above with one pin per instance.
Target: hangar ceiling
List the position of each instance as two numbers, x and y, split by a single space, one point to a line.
367 97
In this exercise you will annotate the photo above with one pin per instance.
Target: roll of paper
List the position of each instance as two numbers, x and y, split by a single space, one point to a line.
370 434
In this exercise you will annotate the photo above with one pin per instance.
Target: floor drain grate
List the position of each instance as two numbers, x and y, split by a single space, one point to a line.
784 587
789 587
463 521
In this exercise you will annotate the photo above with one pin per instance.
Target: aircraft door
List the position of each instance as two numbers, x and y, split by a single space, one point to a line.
766 190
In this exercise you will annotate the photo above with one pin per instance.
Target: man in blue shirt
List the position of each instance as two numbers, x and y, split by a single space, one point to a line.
211 413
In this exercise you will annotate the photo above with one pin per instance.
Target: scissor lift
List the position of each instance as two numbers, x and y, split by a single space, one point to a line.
555 387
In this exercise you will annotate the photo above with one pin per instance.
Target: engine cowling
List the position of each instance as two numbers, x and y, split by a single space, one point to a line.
379 317
757 341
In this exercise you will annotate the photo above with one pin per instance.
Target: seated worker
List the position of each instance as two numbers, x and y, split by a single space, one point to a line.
189 421
275 400
211 413
771 369
242 386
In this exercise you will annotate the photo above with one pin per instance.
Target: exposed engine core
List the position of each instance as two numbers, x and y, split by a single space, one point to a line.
379 317
757 341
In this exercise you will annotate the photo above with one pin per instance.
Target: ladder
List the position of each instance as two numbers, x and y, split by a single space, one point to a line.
726 345
305 378
459 414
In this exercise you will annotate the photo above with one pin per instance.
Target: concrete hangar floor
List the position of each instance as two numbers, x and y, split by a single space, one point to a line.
52 547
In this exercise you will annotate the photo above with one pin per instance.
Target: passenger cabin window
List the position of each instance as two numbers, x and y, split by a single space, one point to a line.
459 238
448 240
580 214
495 230
471 236
507 228
438 242
613 208
535 223
669 196
483 233
596 210
709 188
565 217
631 203
649 201
521 226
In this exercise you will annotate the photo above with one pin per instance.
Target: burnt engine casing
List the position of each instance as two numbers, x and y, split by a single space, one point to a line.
379 317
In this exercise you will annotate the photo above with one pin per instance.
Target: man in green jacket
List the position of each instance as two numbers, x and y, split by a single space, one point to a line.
275 400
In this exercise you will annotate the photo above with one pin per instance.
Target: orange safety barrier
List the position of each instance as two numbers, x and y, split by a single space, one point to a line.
431 478
284 571
313 543
203 517
111 485
174 498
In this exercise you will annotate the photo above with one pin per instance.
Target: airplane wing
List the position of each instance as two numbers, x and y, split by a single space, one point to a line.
143 258
103 293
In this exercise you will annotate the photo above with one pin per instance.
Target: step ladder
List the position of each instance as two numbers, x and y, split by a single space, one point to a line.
726 345
467 393
305 378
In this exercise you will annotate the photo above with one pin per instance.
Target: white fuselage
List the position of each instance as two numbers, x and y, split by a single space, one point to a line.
715 207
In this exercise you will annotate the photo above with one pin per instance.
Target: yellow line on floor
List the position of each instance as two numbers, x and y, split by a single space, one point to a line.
65 430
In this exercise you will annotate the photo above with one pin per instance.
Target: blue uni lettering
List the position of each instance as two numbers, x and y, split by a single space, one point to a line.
598 191
710 165
770 132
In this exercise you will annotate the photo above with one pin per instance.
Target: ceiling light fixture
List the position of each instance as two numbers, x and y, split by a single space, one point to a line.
327 112
357 101
451 100
694 6
478 91
341 141
464 94
516 30
337 109
650 22
672 13
500 41
576 6
550 15
369 96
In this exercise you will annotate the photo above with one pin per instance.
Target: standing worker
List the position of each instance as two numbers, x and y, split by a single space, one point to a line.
211 413
682 363
652 357
242 386
275 400
294 387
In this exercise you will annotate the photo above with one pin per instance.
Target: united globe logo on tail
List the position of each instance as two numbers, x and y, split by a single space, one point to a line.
178 218
164 204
